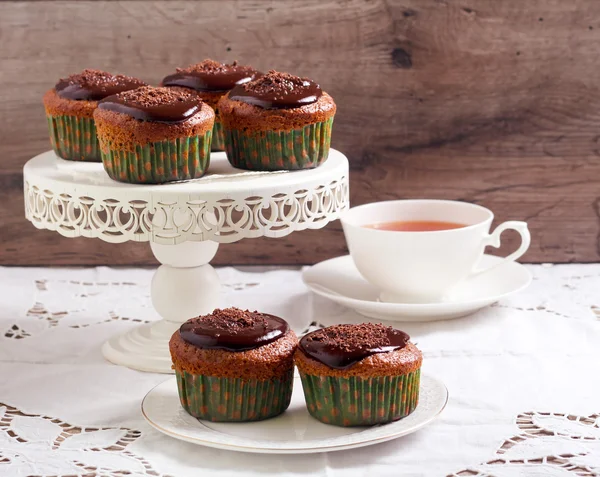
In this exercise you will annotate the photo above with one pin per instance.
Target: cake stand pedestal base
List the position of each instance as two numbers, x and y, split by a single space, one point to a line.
184 286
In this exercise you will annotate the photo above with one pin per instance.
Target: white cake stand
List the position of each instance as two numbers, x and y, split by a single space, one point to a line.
184 223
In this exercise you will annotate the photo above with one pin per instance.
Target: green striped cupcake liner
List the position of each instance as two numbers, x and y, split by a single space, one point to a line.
303 148
74 138
158 162
217 399
356 401
218 141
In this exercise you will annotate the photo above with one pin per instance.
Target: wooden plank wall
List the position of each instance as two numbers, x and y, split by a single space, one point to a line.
495 102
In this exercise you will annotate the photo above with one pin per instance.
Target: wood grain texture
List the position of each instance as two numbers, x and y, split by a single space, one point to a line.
492 102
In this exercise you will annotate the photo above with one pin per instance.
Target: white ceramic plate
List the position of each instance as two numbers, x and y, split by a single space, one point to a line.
293 432
339 280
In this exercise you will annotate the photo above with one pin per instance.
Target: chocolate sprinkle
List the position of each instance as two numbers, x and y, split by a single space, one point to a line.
154 104
277 83
93 85
341 346
211 76
150 96
211 66
233 320
277 90
233 329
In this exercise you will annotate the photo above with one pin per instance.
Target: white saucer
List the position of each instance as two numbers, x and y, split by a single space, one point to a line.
339 280
293 432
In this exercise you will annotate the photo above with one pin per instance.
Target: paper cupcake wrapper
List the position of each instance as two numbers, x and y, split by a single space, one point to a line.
233 399
74 138
303 148
158 162
356 401
218 140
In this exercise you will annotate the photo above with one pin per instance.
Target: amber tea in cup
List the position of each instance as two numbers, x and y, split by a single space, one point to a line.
416 226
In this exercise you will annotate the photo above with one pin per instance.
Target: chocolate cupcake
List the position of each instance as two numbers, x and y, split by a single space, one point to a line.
234 365
359 375
211 80
154 135
70 106
277 122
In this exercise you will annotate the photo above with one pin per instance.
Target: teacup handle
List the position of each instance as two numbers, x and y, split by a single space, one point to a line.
493 240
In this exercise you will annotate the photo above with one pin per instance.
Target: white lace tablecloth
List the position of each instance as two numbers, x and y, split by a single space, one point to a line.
523 376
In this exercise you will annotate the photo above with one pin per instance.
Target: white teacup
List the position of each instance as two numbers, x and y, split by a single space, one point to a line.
423 267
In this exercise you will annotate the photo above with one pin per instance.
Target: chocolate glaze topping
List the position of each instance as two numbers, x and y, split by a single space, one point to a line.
233 329
93 85
277 91
154 104
211 75
341 346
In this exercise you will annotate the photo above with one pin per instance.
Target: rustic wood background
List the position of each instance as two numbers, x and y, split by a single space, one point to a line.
495 102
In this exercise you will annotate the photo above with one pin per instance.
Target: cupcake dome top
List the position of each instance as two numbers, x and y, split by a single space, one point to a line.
277 90
341 346
154 104
211 76
94 85
233 329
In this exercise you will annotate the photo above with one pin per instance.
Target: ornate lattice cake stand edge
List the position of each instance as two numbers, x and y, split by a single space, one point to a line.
184 223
